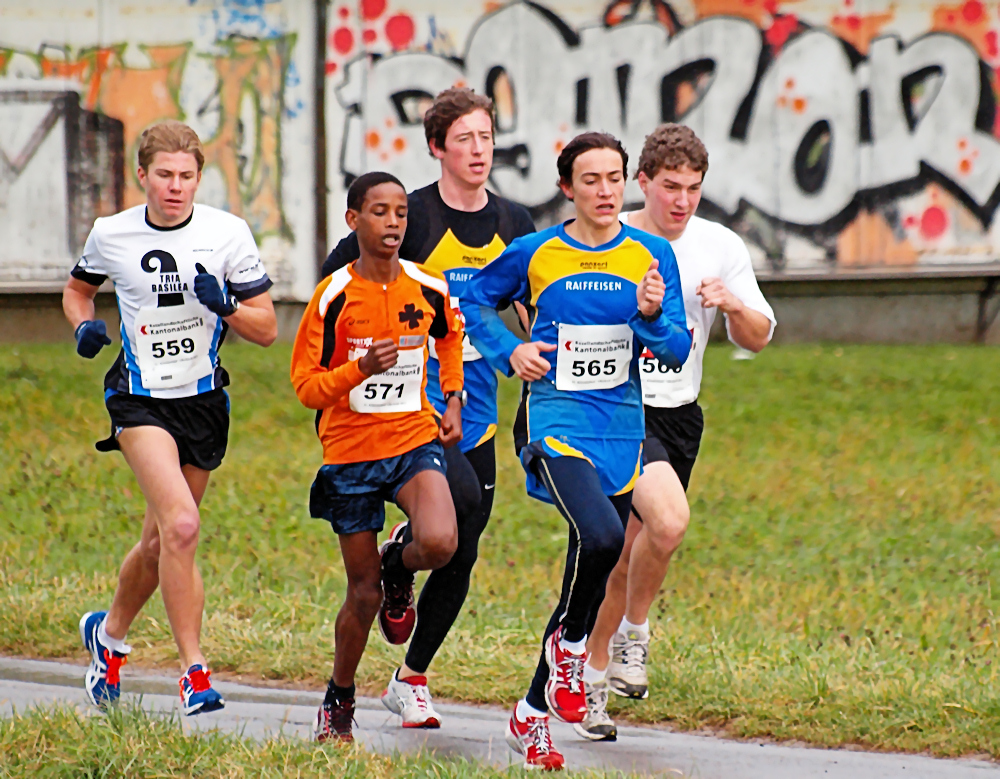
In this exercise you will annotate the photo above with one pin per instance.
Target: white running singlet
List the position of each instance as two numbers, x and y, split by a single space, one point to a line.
170 342
706 249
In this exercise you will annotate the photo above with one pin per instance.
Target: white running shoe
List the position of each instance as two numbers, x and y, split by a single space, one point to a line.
627 669
411 699
597 725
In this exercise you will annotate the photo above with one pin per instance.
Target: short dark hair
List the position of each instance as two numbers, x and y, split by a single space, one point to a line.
672 147
360 186
584 143
450 106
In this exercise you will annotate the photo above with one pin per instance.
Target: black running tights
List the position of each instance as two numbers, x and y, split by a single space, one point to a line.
472 477
596 537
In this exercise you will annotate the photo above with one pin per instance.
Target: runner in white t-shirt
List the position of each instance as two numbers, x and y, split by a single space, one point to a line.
716 275
183 275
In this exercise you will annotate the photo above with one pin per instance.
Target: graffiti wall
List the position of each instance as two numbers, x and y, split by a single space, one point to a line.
233 69
841 133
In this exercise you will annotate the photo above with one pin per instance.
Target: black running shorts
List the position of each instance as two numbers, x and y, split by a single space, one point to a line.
673 435
199 424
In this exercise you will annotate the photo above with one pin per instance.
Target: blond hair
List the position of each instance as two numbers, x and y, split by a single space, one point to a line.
169 136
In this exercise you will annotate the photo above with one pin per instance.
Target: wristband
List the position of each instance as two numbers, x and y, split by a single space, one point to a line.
654 317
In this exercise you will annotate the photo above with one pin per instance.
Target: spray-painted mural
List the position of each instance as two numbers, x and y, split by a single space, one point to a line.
838 135
230 69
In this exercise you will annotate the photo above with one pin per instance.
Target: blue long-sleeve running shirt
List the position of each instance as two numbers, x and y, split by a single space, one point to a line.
583 299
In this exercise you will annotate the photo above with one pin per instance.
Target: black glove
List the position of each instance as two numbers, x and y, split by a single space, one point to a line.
210 294
91 337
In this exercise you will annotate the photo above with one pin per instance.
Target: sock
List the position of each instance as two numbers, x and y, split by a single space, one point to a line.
576 647
592 676
525 710
114 644
626 626
335 694
419 679
392 564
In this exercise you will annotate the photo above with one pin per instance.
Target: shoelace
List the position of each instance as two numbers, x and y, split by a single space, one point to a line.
339 717
539 735
397 599
597 701
571 667
422 696
634 654
114 667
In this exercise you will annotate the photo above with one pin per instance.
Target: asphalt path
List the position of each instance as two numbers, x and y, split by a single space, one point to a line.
477 732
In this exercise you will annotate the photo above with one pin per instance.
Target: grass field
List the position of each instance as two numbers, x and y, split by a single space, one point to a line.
835 585
130 744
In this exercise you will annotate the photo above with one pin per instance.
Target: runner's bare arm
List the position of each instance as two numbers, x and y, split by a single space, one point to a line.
317 385
749 329
255 321
78 301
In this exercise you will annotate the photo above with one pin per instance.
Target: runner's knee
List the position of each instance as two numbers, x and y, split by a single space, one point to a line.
181 534
365 596
466 496
150 550
667 532
439 546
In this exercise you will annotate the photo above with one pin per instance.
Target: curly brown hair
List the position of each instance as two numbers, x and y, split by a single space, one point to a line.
450 106
672 147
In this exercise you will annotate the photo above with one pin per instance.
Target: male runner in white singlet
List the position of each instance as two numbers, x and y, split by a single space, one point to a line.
183 274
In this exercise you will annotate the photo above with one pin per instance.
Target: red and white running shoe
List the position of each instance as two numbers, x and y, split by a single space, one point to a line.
411 699
396 615
531 738
564 691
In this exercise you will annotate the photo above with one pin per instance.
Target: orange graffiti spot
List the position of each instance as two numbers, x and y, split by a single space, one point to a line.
559 146
373 139
799 105
965 167
492 6
564 128
969 20
790 83
972 11
962 144
399 144
384 156
782 101
459 84
389 122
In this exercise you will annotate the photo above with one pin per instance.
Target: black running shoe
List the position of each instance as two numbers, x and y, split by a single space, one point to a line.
334 721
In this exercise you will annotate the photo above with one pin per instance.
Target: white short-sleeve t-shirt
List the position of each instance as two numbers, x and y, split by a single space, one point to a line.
706 249
170 342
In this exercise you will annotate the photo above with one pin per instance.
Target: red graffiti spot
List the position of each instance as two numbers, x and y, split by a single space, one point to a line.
399 29
372 9
972 11
992 47
950 18
778 33
911 221
331 68
848 3
342 40
933 223
369 36
853 22
344 12
771 6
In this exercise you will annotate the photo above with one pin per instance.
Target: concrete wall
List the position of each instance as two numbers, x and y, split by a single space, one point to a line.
842 133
